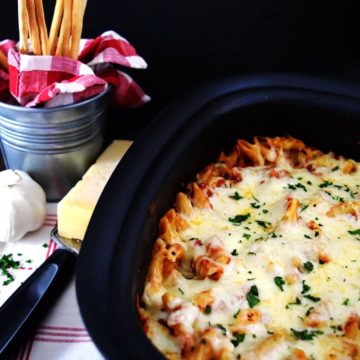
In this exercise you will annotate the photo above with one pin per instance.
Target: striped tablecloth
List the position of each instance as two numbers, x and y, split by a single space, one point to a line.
62 334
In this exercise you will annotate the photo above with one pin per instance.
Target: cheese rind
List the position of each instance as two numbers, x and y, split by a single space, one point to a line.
76 208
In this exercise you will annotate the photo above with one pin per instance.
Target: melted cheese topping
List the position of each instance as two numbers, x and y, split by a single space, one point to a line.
299 277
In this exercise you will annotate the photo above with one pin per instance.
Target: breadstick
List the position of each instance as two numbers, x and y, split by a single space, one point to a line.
40 17
33 27
3 61
23 27
78 11
55 25
64 37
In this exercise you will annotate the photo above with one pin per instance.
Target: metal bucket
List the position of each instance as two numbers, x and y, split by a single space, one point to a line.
55 146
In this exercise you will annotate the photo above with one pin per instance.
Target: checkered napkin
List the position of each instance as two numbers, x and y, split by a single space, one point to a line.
55 80
62 334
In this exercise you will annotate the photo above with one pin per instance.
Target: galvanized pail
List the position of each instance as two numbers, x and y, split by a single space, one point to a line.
55 146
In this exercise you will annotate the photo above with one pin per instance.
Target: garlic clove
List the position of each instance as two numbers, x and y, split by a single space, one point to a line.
22 205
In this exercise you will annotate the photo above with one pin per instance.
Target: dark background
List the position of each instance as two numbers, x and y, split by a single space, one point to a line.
188 41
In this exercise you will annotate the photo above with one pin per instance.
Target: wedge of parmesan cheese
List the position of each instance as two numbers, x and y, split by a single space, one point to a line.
76 208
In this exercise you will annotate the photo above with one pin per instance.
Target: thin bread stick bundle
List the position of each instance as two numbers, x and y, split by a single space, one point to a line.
33 27
40 17
78 10
3 61
63 46
55 25
23 27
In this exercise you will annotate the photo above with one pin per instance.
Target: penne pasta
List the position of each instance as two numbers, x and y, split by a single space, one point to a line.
259 258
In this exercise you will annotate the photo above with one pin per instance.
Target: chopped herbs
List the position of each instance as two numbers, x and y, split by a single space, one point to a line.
297 186
265 211
236 314
246 236
305 288
296 302
263 224
45 245
236 196
307 236
335 168
309 310
255 205
181 291
338 198
239 338
234 253
252 296
354 232
279 282
222 328
207 310
325 184
306 334
238 219
7 262
312 298
346 302
308 266
303 207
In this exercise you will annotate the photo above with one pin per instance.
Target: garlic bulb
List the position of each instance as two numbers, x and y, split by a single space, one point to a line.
22 205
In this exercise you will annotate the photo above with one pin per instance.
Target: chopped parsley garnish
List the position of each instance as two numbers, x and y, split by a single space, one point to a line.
234 253
309 310
238 219
338 198
296 302
7 262
222 328
255 205
252 296
309 182
246 236
297 186
354 232
312 298
263 224
325 184
305 288
279 282
265 211
239 338
303 207
181 291
308 266
255 198
346 302
307 236
236 196
45 245
335 168
306 334
207 310
251 253
236 314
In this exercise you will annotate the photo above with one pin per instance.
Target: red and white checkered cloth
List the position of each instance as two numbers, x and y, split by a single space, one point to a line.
55 80
62 334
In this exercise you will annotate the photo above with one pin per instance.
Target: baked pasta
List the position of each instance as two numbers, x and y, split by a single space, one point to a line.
260 259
